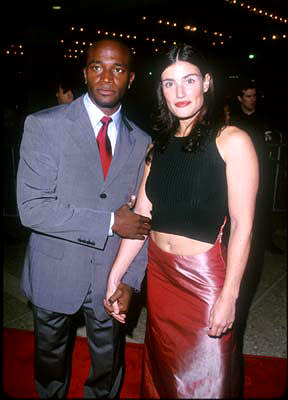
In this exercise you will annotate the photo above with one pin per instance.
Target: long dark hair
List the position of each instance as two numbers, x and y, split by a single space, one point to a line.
165 123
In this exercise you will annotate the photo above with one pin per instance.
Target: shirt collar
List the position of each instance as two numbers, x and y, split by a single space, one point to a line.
95 114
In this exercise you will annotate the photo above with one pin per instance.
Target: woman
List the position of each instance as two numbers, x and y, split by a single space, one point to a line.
197 174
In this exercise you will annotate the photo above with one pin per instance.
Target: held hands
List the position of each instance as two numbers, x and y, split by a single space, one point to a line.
117 300
130 225
222 316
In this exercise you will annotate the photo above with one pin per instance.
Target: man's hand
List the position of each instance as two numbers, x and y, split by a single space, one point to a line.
117 305
130 225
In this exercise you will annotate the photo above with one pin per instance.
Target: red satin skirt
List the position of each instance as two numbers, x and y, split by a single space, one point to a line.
180 359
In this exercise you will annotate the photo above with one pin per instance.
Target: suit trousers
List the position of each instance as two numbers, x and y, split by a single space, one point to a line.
54 340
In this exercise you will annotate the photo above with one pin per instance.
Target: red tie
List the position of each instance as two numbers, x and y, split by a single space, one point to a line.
104 148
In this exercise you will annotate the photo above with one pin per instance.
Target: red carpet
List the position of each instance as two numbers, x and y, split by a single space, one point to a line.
265 377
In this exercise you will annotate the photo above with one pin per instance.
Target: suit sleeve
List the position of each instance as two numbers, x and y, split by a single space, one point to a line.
39 207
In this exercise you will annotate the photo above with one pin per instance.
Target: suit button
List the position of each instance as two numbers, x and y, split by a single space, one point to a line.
103 195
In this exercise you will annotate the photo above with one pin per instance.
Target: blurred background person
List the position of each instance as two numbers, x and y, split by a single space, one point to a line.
68 88
249 114
64 95
254 119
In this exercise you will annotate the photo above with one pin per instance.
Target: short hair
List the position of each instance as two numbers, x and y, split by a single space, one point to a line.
243 85
122 43
69 80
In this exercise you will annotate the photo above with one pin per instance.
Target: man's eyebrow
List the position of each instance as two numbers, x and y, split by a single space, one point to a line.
101 62
121 65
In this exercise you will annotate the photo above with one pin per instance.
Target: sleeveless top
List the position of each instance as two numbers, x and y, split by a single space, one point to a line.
188 191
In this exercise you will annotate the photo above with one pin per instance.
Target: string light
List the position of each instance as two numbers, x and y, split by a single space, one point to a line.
217 38
221 35
73 46
258 11
162 41
130 36
275 36
14 50
160 21
189 28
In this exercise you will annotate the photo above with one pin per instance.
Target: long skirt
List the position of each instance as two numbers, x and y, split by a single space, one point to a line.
180 359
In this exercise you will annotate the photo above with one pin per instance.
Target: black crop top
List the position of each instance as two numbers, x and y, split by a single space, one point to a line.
188 191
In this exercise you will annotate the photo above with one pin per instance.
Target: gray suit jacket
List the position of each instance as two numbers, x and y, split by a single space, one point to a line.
64 199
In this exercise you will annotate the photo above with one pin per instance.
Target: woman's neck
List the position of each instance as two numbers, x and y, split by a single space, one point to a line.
185 128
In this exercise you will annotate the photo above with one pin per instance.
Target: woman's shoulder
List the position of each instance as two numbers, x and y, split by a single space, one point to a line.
232 139
232 135
232 132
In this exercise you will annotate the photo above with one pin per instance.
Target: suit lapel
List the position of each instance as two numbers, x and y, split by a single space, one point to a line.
124 147
82 132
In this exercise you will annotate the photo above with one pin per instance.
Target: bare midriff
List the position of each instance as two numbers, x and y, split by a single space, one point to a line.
179 245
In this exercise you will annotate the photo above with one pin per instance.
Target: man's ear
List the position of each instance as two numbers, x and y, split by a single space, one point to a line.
131 79
85 75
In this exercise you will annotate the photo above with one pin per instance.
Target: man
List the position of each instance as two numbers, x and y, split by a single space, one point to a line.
246 116
254 121
247 98
77 212
250 118
68 88
64 95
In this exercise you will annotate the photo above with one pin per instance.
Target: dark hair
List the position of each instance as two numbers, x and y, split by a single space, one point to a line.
66 84
245 84
68 79
165 123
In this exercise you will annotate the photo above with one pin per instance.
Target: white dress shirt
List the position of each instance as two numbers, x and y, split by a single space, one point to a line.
95 116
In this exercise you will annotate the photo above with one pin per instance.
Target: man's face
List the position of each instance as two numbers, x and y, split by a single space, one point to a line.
107 74
248 100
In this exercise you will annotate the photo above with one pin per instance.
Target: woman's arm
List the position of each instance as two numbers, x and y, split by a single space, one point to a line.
238 152
127 252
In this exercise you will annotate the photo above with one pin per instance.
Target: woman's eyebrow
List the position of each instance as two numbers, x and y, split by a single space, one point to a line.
183 77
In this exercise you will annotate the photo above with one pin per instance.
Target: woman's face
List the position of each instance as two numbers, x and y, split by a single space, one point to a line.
183 88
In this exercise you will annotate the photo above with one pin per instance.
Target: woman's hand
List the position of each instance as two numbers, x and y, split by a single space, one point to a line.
118 297
222 316
112 308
